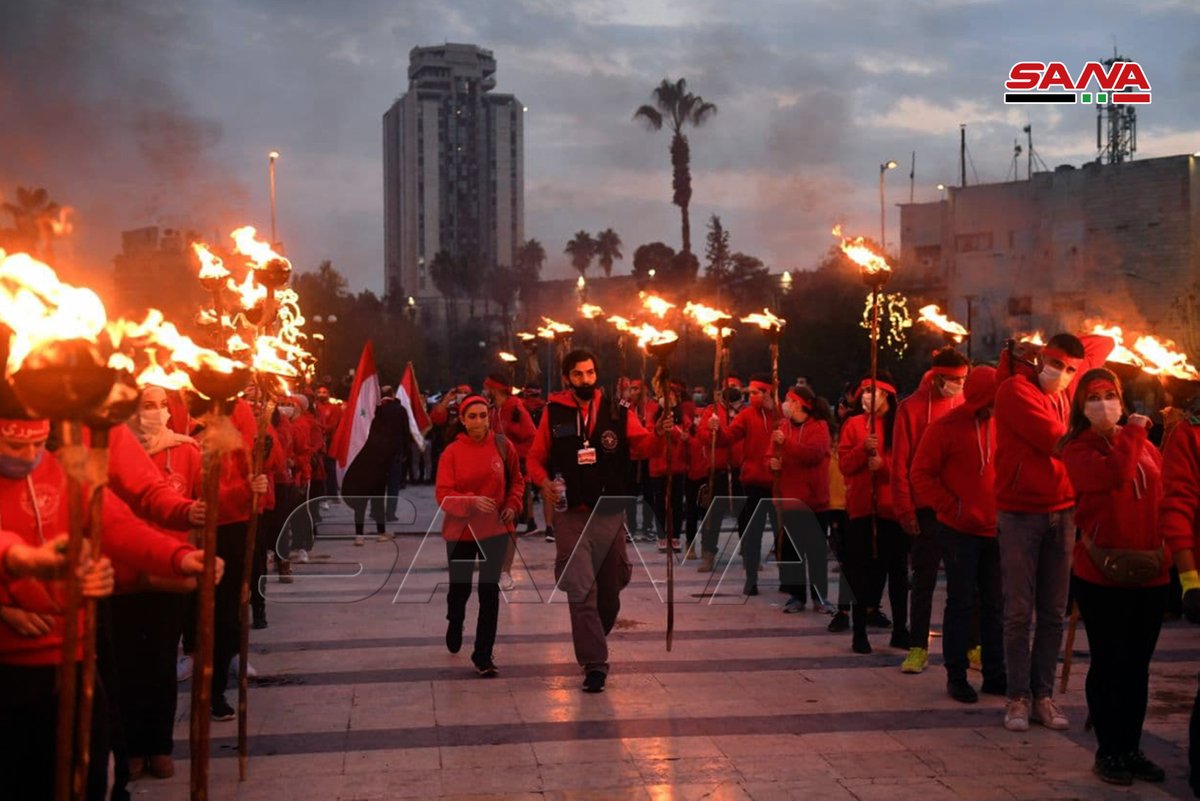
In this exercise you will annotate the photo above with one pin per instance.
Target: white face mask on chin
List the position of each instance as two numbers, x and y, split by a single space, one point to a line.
880 401
951 390
152 421
1103 414
1053 380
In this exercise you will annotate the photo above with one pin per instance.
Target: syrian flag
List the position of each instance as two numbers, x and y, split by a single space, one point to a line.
352 431
409 395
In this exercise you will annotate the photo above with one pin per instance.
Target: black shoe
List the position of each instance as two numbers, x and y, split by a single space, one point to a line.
750 588
879 620
594 682
549 533
839 623
861 644
530 527
960 690
221 710
994 687
454 636
484 666
260 620
1113 770
1143 769
900 640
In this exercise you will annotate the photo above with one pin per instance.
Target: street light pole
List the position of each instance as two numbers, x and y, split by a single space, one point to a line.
274 154
883 168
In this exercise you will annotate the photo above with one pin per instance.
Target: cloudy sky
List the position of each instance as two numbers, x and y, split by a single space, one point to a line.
140 112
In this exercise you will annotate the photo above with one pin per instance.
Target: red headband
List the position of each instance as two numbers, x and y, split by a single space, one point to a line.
1054 353
761 386
733 382
866 385
24 430
468 402
489 383
463 388
1100 384
795 397
953 372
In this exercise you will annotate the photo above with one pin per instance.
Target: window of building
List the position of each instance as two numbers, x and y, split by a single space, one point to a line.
1020 306
973 243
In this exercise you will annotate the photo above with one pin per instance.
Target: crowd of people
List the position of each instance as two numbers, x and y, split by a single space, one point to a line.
1034 483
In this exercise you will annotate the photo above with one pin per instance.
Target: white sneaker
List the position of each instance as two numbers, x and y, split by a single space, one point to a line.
360 541
506 581
233 666
1016 714
183 668
324 506
1047 713
299 555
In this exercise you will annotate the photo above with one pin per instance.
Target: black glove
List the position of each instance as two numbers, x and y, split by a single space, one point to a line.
1191 605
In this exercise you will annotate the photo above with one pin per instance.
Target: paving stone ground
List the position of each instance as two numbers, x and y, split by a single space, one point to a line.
358 699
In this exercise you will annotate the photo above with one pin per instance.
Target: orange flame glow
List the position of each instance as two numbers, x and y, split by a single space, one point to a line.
554 329
1032 339
248 292
711 331
1120 354
857 249
619 322
211 265
246 242
590 311
1163 359
657 306
932 315
648 336
766 321
705 315
507 357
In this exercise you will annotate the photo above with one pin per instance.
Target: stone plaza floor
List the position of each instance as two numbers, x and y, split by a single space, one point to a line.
358 698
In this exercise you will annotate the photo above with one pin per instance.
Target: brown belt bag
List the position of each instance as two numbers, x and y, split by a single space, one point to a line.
1128 567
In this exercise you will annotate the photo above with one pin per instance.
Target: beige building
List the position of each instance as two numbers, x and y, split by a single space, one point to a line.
1114 241
156 269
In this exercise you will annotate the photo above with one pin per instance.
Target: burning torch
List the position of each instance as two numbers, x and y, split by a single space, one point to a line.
772 328
713 322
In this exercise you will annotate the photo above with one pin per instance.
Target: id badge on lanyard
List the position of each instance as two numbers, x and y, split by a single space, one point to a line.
586 454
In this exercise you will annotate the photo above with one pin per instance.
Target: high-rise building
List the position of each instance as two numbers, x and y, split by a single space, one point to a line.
453 168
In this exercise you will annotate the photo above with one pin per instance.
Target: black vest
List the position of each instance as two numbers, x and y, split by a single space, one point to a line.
586 484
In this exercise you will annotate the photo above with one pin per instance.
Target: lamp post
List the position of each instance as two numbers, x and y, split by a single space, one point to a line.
274 154
324 323
883 168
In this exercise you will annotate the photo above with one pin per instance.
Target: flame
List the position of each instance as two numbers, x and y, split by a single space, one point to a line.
590 311
554 329
525 336
1162 358
41 309
1120 354
705 315
249 293
245 241
1032 339
711 331
933 315
507 357
619 322
288 315
862 255
648 336
156 376
657 306
62 225
766 321
211 265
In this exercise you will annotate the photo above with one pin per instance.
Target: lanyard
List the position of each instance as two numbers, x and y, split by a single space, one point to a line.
583 422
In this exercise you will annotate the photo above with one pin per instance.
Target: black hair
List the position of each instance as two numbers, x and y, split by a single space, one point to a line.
578 357
949 357
1068 344
1078 421
763 377
499 378
889 419
818 407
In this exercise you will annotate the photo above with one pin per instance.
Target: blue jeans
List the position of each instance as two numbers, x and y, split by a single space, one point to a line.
1035 562
972 579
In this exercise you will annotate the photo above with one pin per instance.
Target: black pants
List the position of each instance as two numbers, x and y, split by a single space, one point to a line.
659 489
926 558
867 572
752 521
714 514
692 508
227 624
146 629
804 561
396 481
29 711
461 557
836 523
972 581
1122 627
359 505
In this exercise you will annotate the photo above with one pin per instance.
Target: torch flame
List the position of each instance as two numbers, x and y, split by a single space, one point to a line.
1162 358
1120 353
211 265
507 357
766 321
711 331
933 315
705 315
554 329
62 225
648 336
590 311
525 336
1032 339
619 322
862 255
246 242
249 293
657 306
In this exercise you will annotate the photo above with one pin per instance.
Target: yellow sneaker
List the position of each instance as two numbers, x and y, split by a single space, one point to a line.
915 661
975 658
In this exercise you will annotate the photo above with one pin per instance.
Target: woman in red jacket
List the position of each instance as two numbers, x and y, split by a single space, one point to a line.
479 490
678 468
1117 475
874 553
801 454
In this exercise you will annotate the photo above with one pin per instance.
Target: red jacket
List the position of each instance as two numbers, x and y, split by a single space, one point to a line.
641 441
1029 424
1179 520
852 461
1118 485
126 540
754 427
513 421
806 454
953 472
701 451
470 469
137 481
913 416
306 441
680 447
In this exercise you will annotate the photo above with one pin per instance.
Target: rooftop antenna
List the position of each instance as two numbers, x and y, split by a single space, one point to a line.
1120 122
912 177
1014 172
962 154
1032 154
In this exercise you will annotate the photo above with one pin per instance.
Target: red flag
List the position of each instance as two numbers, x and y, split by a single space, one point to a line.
416 401
356 419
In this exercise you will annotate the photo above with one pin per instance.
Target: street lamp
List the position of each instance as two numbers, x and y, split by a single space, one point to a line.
581 289
324 323
883 168
274 154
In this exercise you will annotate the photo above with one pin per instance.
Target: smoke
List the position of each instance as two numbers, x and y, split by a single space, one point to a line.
91 113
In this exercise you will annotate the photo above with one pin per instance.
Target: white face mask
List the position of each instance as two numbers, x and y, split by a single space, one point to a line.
287 411
787 409
152 421
951 390
880 401
1053 379
1103 414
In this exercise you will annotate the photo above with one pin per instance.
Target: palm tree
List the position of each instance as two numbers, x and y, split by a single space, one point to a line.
581 250
36 220
530 258
608 248
678 108
444 270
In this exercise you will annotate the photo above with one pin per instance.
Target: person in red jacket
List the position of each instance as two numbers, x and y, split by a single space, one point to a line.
1033 520
1117 475
706 456
511 419
753 426
800 455
34 508
940 392
874 552
953 474
644 408
678 468
479 490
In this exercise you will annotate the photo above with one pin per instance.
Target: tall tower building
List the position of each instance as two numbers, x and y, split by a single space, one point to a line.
453 168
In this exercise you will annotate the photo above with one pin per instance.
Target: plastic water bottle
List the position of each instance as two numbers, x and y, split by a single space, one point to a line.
560 487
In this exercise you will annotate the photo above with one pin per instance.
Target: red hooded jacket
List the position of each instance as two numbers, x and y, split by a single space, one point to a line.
807 450
1179 519
470 469
953 472
913 416
852 461
1118 487
753 426
513 421
680 447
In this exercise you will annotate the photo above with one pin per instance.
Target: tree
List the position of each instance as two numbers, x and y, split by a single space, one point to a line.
716 250
501 287
528 268
681 270
678 108
608 248
36 222
446 272
654 256
748 282
581 249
